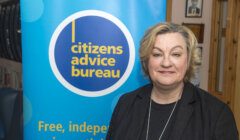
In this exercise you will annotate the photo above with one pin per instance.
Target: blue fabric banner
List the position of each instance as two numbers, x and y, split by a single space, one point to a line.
79 57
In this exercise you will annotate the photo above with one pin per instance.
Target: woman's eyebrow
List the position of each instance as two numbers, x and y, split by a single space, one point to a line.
178 46
175 47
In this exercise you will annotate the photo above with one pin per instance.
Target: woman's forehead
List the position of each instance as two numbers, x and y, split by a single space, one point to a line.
169 40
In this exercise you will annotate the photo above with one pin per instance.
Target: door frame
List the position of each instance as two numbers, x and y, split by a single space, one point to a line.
169 11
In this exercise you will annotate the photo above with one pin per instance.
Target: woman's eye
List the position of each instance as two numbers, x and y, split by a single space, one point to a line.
176 54
156 54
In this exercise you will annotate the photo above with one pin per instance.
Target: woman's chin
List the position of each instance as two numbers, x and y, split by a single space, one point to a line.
167 83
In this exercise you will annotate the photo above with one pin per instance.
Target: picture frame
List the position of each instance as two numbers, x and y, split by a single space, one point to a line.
197 29
200 52
194 8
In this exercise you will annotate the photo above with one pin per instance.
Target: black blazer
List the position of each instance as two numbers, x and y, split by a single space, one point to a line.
200 116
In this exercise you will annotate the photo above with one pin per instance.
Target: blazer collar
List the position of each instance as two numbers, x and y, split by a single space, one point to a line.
145 91
184 112
188 95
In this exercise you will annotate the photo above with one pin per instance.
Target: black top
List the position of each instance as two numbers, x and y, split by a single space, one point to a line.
158 119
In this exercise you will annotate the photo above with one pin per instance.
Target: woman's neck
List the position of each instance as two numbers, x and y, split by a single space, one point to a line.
167 95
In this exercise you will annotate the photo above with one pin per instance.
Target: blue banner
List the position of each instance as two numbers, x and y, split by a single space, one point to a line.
79 57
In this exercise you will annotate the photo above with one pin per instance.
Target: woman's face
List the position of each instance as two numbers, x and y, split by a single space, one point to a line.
168 60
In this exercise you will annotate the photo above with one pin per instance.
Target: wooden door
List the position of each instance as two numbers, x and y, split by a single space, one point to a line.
223 51
225 54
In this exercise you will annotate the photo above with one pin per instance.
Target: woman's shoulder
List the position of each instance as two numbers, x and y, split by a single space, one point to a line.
219 115
140 92
212 104
126 101
207 98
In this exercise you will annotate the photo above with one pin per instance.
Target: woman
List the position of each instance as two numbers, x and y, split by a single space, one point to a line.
170 108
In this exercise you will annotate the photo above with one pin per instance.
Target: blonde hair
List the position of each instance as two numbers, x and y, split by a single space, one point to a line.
149 38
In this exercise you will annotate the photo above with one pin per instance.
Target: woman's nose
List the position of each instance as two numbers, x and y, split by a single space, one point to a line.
166 62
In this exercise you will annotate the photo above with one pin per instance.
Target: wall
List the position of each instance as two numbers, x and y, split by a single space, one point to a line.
178 16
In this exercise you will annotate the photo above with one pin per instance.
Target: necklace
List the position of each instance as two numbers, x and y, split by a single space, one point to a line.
149 117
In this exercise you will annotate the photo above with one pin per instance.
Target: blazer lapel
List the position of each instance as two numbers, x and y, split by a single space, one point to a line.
140 108
184 112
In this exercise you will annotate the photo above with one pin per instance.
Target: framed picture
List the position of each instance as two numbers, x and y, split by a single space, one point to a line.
200 51
197 29
194 8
